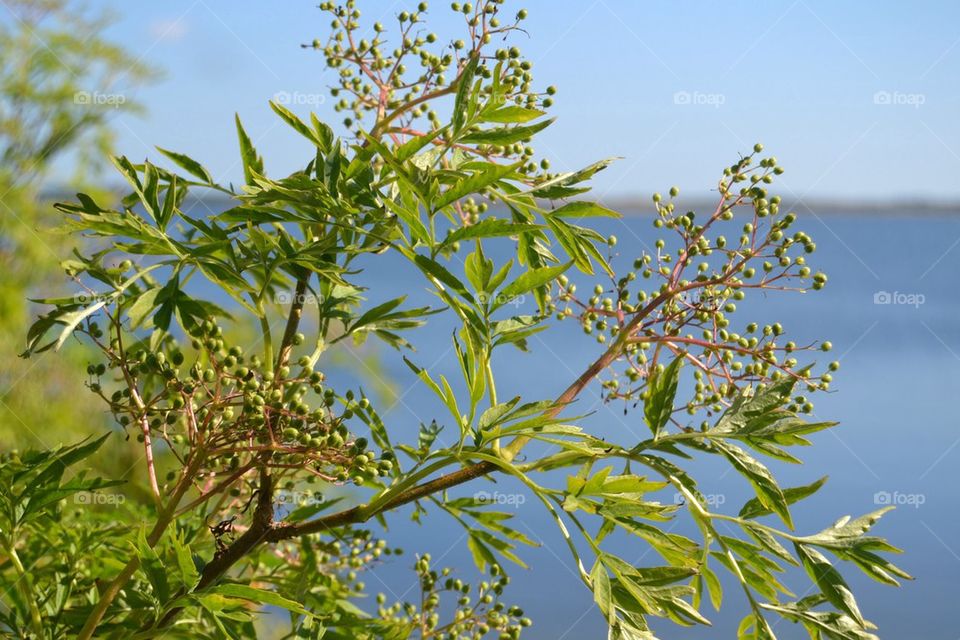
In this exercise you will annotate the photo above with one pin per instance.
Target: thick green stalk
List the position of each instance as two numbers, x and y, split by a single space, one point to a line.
492 390
26 588
491 385
267 342
293 320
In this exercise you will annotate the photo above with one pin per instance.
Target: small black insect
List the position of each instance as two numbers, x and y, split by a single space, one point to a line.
223 529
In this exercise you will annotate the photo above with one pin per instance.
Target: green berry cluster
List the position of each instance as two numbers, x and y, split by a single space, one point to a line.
680 298
350 554
400 83
479 612
338 567
240 407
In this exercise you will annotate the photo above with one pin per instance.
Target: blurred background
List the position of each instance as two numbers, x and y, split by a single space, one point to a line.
859 102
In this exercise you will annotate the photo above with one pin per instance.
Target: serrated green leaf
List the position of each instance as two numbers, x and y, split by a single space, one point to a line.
602 590
583 209
754 508
512 114
474 183
188 164
759 477
532 279
489 228
464 84
506 135
188 570
663 389
440 273
300 126
260 596
829 581
252 162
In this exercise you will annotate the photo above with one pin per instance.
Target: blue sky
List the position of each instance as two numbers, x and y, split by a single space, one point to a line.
857 100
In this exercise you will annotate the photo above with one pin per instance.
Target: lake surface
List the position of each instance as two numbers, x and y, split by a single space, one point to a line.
894 395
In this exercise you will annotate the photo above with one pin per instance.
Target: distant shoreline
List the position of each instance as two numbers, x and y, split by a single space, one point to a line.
638 207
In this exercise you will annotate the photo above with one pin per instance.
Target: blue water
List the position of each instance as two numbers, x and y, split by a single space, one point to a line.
894 396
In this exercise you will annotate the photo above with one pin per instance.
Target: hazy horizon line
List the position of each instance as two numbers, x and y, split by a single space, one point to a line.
638 204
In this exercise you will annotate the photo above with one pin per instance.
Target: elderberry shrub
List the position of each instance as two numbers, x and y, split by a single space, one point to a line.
436 166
